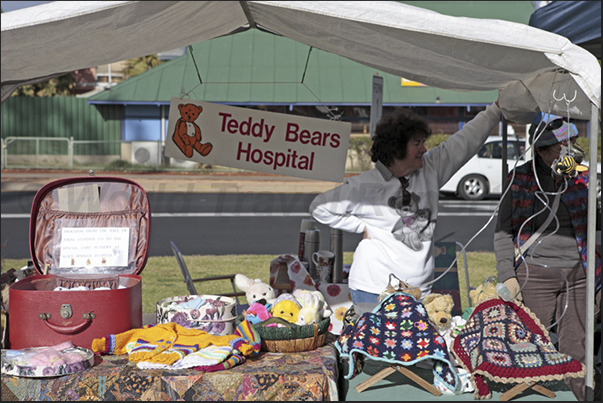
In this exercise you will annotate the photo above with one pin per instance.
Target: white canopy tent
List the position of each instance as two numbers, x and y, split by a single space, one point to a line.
421 45
534 69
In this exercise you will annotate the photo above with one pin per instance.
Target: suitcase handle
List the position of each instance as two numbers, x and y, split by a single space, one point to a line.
68 329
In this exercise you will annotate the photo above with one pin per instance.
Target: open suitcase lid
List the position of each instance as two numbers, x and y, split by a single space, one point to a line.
90 225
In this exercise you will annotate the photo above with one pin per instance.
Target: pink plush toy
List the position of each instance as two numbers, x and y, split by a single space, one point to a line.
257 313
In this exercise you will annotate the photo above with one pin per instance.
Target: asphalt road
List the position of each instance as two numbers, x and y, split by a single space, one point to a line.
246 223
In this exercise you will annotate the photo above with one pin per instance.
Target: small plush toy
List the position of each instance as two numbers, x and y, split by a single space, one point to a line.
287 296
439 311
313 309
484 292
397 285
255 290
257 313
286 309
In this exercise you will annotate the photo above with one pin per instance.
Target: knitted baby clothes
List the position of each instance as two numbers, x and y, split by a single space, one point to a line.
212 358
208 356
187 341
165 343
116 343
251 338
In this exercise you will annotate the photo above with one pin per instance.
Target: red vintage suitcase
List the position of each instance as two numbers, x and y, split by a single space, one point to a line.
88 231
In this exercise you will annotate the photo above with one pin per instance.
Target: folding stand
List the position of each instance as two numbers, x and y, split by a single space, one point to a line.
404 371
517 389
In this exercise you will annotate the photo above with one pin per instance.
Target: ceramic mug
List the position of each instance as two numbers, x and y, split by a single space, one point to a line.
324 261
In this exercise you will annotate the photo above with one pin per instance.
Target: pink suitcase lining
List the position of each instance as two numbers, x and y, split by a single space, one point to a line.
123 203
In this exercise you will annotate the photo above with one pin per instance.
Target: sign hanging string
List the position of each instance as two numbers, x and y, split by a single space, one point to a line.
332 115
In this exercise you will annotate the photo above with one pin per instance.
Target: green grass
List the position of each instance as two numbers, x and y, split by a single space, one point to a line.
161 278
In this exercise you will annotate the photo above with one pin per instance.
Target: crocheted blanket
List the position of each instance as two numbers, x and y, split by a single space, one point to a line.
398 332
506 343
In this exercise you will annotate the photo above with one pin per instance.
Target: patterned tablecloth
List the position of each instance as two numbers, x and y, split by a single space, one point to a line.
310 375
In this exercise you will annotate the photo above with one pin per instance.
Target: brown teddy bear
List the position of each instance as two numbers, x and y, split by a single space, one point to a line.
483 292
187 135
396 285
439 309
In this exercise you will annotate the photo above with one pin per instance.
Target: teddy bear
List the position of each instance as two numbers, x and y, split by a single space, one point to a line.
489 289
396 285
415 225
439 311
187 135
255 290
484 292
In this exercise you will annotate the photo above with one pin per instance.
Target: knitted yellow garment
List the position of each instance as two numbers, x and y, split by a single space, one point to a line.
165 343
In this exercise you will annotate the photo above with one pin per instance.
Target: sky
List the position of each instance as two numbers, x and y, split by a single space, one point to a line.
15 5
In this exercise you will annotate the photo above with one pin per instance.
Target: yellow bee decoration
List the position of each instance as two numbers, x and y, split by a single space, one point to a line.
569 167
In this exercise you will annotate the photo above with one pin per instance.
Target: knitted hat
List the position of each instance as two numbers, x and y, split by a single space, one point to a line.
551 129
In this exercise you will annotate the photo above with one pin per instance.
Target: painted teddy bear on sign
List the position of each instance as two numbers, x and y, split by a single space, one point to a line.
415 225
187 134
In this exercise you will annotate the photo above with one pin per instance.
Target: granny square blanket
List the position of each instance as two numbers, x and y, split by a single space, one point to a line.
398 332
507 343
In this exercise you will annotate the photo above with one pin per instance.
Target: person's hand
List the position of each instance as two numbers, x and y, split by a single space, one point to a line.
366 235
513 286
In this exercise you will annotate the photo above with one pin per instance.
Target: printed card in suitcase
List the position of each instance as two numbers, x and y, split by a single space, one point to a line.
89 241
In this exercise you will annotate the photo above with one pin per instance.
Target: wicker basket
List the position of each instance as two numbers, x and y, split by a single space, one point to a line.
292 339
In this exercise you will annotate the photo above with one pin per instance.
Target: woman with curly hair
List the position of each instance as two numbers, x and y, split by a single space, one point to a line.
395 204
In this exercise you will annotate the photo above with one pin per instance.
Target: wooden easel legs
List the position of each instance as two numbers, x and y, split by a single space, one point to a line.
517 389
404 371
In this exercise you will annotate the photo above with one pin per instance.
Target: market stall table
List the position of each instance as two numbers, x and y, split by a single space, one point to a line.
310 375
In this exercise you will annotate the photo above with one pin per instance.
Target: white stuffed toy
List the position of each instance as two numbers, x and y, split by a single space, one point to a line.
314 308
255 290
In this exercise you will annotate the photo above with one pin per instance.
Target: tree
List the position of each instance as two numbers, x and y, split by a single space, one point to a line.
58 86
140 65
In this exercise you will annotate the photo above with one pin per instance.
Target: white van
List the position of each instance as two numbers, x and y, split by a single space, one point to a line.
482 175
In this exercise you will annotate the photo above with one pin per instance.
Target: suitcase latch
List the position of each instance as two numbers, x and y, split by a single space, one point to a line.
66 311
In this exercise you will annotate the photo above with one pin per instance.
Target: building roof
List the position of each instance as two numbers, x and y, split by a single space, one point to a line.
254 67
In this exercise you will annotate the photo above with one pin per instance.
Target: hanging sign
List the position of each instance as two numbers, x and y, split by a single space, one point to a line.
256 140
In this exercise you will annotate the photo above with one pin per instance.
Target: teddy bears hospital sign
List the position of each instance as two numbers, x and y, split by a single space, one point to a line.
256 140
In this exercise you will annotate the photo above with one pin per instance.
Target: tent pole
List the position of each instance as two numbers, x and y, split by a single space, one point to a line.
590 259
505 167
